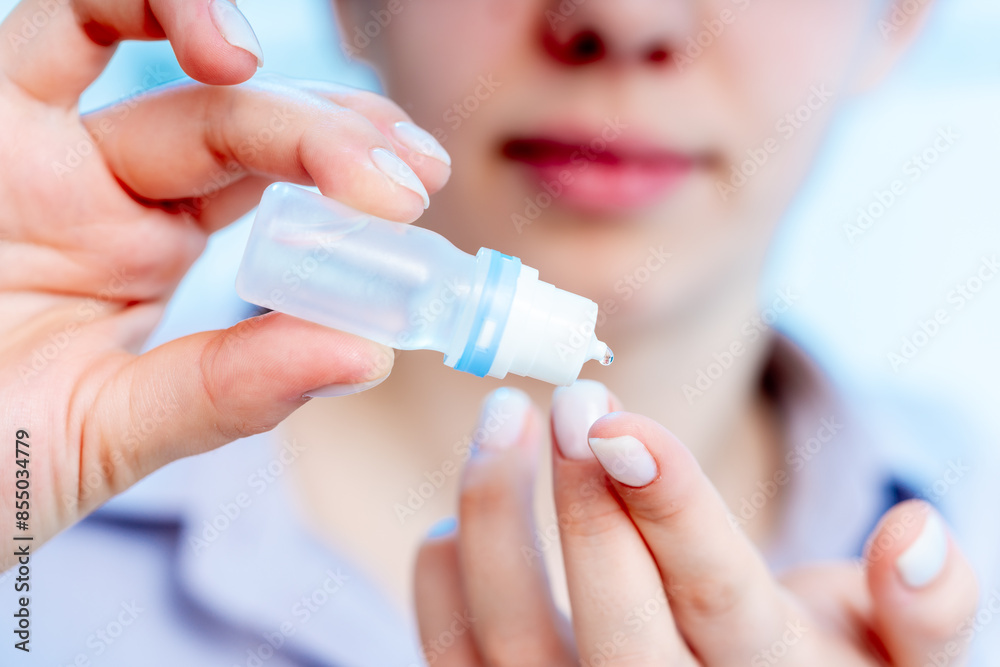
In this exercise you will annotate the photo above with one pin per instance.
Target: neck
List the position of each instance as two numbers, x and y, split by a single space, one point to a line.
686 377
375 446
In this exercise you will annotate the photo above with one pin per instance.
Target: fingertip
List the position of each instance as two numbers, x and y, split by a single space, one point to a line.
909 546
504 418
228 67
575 408
923 560
292 357
645 429
350 163
638 451
921 583
400 175
213 41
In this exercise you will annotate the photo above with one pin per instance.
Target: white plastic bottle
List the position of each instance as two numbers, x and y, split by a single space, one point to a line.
409 288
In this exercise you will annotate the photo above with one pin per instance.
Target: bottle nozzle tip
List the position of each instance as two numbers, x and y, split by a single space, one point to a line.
601 352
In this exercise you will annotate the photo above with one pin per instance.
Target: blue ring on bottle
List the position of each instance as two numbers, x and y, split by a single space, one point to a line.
492 311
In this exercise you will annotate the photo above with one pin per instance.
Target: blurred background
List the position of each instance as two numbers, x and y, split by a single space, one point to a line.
867 282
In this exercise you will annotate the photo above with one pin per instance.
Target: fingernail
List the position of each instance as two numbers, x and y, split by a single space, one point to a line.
923 561
399 172
501 419
337 390
626 459
420 140
235 28
443 528
574 410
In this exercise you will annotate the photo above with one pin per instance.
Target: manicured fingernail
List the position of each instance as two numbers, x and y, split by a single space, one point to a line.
501 418
419 140
574 410
235 28
399 172
626 459
337 390
443 528
923 561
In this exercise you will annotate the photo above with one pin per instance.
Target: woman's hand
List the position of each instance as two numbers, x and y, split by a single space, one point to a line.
656 574
102 215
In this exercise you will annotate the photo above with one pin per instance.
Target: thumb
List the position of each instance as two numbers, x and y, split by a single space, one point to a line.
201 391
922 587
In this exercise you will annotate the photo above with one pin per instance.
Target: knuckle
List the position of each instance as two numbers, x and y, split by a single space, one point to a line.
708 597
654 508
219 384
524 647
369 104
594 523
484 492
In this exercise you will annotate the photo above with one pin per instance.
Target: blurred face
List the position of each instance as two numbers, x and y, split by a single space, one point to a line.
639 152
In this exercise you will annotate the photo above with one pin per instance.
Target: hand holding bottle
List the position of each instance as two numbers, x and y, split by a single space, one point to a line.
103 215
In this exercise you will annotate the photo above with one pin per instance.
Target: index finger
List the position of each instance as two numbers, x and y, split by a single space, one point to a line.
719 584
54 49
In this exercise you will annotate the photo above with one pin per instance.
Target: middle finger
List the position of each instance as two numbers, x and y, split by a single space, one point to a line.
620 609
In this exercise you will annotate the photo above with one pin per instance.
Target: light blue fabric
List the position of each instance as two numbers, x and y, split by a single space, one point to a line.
220 601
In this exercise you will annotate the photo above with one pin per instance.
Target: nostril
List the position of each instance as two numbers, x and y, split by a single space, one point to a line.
658 55
584 47
587 46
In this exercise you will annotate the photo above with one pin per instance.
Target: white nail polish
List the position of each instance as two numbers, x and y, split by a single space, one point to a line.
923 561
337 390
501 419
421 141
235 28
574 410
399 172
626 459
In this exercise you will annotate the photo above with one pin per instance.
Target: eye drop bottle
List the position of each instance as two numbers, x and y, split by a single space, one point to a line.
409 288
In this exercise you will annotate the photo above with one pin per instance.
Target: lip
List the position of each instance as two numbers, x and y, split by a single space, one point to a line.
600 177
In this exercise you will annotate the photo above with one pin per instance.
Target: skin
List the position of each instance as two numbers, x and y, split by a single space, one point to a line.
92 256
726 102
93 251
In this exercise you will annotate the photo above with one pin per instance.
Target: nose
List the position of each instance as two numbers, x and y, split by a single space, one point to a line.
582 32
